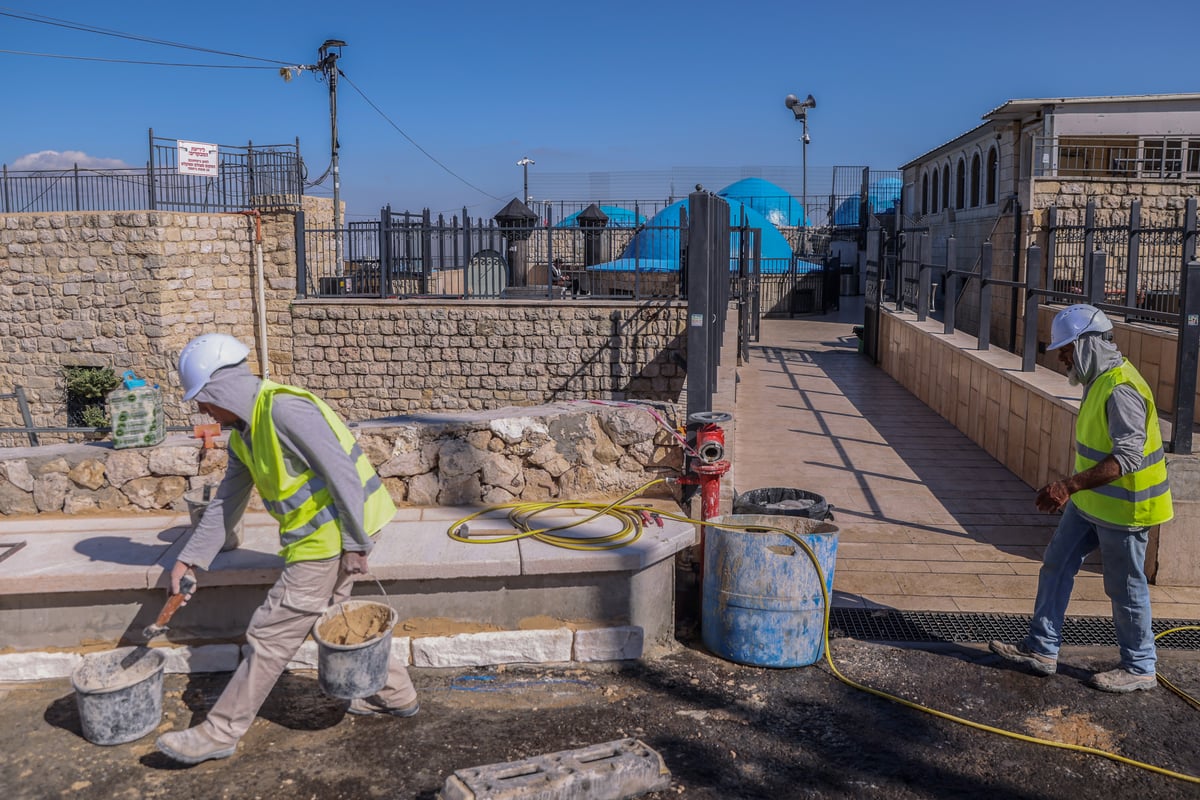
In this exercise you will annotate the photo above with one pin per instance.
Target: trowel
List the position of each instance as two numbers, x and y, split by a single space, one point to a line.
187 587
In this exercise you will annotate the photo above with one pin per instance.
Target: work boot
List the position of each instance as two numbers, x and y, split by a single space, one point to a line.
1121 680
369 706
193 745
1020 653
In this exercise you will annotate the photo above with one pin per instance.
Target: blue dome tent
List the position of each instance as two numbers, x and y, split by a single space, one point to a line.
617 218
883 195
774 203
655 247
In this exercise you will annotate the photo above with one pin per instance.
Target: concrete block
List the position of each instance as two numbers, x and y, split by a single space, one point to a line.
37 666
485 649
609 644
202 658
620 769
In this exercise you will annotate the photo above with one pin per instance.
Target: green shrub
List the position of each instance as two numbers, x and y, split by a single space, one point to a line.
90 383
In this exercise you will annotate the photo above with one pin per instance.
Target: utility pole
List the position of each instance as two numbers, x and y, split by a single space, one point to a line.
328 54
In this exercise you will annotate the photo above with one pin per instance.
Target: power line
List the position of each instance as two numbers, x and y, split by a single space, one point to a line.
413 142
42 19
131 61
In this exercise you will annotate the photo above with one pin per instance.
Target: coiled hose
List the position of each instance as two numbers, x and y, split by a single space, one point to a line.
523 514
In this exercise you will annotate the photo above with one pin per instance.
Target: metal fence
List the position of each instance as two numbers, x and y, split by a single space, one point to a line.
250 176
1143 264
416 255
1131 156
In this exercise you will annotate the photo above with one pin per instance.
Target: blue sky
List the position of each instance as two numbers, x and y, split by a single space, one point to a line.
578 87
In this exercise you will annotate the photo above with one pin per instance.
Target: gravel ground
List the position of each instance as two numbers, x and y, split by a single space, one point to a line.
724 730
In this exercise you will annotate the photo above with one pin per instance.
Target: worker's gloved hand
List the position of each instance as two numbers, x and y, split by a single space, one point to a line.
354 563
1052 497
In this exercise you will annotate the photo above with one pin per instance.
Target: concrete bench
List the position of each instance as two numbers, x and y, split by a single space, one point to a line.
82 581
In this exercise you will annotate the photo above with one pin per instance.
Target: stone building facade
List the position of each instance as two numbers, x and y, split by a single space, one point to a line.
995 182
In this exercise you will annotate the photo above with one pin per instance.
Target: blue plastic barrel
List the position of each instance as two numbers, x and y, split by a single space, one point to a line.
762 600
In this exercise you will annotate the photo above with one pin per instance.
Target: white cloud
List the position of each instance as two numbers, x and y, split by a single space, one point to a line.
53 159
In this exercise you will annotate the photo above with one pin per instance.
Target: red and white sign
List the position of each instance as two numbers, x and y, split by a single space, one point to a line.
197 158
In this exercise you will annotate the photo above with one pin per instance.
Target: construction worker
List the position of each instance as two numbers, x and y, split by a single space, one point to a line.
329 502
1118 492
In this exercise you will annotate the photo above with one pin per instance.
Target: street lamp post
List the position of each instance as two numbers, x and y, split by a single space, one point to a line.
524 164
800 110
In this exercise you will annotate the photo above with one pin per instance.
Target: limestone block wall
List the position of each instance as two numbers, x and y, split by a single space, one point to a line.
1026 421
1151 348
1161 200
372 358
127 290
575 450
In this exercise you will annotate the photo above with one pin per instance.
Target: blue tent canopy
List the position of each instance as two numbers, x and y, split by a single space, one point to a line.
655 247
617 218
774 203
883 195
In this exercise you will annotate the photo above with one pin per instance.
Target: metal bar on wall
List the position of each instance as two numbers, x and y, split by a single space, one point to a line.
1186 352
985 296
1135 246
1033 279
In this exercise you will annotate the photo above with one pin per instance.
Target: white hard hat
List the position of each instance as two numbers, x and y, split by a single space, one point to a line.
1074 321
206 354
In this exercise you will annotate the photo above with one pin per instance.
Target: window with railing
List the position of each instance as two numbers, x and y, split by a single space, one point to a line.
1129 156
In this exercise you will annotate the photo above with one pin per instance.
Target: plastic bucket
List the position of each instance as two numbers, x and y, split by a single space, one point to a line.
784 502
119 694
196 504
762 601
354 640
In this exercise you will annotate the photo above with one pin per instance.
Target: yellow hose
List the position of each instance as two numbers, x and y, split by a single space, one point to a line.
522 513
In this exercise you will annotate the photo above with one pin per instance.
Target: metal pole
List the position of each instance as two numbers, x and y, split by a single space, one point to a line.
985 297
951 281
329 54
1033 279
1188 337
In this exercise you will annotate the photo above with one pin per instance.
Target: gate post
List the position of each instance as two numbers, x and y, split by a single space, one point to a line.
924 277
1188 338
301 257
951 281
1033 280
1093 280
985 297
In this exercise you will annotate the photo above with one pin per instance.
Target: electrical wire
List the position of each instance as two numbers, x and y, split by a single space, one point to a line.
29 16
134 61
412 141
631 517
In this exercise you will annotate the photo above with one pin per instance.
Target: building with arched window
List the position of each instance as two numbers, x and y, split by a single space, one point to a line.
995 182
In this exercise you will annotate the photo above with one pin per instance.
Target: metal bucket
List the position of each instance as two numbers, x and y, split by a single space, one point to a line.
762 600
119 694
197 501
354 641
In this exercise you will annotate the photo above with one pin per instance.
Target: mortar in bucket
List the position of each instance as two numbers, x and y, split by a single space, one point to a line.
354 640
762 601
119 694
197 501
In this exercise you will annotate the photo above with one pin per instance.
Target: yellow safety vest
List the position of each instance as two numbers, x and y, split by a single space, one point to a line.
1140 498
309 527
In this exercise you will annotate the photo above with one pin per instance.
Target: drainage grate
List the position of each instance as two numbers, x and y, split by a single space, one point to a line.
923 626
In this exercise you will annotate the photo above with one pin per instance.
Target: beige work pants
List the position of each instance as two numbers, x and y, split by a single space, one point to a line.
277 629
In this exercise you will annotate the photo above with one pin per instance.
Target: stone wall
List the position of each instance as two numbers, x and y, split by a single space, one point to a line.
127 290
373 358
576 450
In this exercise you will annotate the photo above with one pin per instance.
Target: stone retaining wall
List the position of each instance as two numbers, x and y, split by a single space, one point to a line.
577 450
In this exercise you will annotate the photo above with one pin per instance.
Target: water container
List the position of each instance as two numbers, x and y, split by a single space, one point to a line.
762 601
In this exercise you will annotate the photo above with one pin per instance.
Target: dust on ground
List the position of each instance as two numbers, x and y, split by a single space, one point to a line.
724 730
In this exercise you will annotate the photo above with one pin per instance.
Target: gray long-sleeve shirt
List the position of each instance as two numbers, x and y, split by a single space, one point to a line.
306 441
